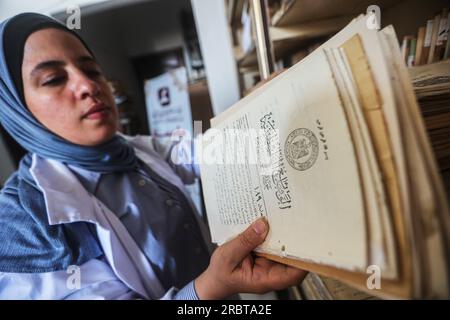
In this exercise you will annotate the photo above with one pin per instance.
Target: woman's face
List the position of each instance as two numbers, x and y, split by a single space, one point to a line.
65 89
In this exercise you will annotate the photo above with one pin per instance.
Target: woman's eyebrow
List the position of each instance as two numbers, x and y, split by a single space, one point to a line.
86 59
46 65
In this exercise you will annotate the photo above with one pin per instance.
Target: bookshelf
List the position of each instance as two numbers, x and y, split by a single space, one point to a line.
297 23
301 25
287 39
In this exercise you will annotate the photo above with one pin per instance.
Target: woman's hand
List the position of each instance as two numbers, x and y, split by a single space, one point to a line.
232 268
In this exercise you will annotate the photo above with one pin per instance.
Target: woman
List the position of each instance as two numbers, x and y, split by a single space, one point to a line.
93 214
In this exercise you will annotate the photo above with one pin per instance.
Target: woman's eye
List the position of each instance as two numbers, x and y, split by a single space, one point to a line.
53 81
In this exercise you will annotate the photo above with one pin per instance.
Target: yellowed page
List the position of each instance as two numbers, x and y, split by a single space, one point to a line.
379 225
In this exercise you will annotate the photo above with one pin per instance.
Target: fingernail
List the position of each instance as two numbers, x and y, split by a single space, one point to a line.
259 226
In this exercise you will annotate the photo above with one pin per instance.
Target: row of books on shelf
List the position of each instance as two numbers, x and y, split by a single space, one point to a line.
430 44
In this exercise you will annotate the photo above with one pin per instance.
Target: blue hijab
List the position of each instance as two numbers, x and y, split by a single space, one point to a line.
112 156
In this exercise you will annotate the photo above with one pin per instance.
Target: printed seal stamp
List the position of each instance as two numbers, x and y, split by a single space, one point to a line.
301 149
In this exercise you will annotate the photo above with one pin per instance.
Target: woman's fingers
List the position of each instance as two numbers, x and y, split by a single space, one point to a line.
233 269
277 275
234 251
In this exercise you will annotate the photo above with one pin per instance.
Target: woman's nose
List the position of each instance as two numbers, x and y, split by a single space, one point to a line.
84 86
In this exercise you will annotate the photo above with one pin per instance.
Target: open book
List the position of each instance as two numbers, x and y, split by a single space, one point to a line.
334 153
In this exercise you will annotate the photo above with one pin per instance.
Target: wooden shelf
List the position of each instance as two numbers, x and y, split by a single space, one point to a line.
300 11
299 23
309 30
287 39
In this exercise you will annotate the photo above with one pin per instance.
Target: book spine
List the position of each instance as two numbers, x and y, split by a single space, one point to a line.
441 40
447 46
419 46
437 21
427 42
405 48
412 52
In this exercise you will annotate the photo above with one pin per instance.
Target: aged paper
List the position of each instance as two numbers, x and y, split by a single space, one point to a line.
305 187
380 233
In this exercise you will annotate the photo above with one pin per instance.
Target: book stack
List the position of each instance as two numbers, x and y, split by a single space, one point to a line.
334 153
430 44
432 87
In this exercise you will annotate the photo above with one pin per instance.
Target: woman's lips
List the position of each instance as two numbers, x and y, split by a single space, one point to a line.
99 111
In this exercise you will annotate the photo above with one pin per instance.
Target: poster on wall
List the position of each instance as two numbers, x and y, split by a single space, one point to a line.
168 105
169 110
